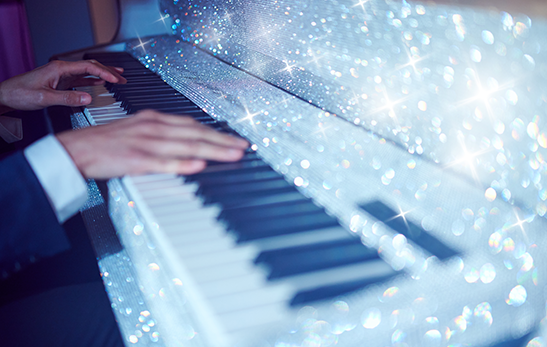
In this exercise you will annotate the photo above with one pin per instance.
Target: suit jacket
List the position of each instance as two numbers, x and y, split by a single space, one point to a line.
29 229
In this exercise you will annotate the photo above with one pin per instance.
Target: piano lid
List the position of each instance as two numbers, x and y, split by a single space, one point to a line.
436 111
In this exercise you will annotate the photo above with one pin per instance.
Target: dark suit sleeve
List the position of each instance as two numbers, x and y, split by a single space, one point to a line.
29 229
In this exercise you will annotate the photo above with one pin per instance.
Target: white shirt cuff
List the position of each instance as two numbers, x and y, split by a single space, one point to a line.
65 187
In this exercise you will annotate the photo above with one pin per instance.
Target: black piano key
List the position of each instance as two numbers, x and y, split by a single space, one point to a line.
120 95
322 293
237 177
298 260
167 109
141 91
267 200
197 114
248 156
139 85
254 230
160 98
245 197
137 79
130 73
253 213
410 230
214 189
232 167
170 102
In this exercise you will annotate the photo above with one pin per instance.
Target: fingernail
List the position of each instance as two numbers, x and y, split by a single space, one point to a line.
85 99
244 142
234 152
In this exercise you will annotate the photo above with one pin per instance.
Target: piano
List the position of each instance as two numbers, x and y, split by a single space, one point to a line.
392 195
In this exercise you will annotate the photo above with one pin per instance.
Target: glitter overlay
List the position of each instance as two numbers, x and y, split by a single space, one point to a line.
437 112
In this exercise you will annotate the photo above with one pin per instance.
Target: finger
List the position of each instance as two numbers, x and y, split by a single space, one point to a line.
177 166
66 98
118 69
199 132
176 127
93 68
188 149
85 82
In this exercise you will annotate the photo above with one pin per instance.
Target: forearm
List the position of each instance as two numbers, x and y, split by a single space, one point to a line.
3 101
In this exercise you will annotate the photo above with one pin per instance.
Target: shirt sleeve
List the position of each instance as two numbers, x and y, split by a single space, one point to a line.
65 187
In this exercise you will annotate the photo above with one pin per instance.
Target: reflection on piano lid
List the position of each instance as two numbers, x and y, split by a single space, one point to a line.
418 128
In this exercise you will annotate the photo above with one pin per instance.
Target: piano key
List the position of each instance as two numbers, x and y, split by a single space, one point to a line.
251 298
166 97
142 91
410 230
166 109
231 167
282 226
317 294
221 190
232 285
253 318
288 209
302 238
246 253
301 259
138 85
236 177
223 271
155 103
122 95
267 200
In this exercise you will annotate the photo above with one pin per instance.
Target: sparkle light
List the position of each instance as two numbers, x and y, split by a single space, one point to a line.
361 3
468 159
520 223
162 18
141 44
288 67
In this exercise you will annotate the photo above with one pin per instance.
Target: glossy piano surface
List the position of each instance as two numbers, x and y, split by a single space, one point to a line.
419 127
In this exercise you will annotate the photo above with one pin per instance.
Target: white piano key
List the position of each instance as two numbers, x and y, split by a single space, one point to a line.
246 253
253 320
182 189
192 226
252 298
114 105
304 238
108 120
224 271
233 285
150 178
179 236
206 247
156 185
181 210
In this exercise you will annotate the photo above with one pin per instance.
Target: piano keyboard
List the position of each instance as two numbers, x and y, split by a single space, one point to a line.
252 244
248 247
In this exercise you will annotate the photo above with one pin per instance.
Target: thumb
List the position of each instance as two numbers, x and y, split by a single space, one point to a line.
67 98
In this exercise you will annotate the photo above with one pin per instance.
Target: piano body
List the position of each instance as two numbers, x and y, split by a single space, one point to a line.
393 194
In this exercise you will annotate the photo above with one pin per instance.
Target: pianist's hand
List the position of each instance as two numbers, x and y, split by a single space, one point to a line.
46 85
148 142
